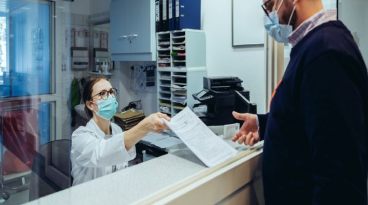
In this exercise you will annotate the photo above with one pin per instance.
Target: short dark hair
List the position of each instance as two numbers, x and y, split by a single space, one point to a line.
88 90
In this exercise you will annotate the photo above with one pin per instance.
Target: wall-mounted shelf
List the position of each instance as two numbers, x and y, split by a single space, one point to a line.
79 69
105 74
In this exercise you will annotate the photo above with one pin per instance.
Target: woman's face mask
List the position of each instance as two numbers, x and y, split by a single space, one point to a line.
106 108
276 30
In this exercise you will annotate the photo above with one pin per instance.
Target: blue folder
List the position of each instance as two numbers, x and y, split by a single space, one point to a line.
187 14
171 15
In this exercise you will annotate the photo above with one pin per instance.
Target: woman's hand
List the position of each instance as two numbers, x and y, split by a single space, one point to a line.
154 123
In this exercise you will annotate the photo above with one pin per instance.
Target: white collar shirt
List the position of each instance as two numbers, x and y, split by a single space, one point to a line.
94 154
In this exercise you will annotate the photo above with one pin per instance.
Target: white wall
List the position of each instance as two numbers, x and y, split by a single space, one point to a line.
353 13
81 7
98 6
224 60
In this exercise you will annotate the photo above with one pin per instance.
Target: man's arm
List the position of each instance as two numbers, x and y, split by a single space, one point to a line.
333 115
262 122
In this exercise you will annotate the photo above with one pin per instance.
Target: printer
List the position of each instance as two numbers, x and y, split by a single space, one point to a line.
219 98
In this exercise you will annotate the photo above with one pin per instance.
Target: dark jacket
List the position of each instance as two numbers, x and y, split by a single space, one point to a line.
315 135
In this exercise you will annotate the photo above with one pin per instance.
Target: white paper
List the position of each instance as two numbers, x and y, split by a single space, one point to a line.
167 142
209 148
230 130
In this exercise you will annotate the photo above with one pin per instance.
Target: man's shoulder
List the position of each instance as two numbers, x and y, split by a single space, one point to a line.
330 36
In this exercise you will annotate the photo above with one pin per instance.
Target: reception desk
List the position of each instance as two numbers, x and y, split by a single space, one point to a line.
176 178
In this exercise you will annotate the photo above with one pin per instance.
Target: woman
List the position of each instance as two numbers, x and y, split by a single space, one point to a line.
101 147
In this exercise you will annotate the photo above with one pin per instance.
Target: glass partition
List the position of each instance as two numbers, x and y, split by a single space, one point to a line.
30 100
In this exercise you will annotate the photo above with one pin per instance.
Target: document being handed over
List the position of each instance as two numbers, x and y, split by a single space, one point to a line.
209 148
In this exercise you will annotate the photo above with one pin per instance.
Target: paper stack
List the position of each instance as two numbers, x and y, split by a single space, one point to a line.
128 119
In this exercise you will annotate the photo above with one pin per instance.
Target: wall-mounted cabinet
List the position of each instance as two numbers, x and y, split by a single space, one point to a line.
132 30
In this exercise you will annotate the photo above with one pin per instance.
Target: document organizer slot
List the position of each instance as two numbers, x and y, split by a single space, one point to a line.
166 110
163 102
180 81
178 39
178 33
164 92
165 75
180 74
166 83
178 93
180 58
165 89
165 96
179 64
177 107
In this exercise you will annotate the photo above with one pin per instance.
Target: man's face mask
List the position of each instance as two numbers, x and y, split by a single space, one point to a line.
276 30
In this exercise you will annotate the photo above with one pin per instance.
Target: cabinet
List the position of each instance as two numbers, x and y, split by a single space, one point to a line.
181 66
132 30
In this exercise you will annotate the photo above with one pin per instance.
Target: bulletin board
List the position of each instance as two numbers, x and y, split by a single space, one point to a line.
247 23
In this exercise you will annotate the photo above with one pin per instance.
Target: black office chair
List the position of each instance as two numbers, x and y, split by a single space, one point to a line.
51 169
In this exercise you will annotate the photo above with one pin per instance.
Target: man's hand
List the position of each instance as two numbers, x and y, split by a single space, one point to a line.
248 133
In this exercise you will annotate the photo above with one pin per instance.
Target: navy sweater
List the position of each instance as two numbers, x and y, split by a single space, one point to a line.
316 133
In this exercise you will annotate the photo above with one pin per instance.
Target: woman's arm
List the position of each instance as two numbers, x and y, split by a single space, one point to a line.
152 123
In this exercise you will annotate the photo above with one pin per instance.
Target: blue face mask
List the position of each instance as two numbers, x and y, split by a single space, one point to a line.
276 30
107 108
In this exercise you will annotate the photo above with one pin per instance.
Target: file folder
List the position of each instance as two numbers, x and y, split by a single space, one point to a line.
171 10
187 14
165 19
158 15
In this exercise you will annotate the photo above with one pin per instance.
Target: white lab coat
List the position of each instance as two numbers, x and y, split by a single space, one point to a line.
93 154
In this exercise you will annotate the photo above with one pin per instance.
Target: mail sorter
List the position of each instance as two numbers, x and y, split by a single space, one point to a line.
219 98
177 15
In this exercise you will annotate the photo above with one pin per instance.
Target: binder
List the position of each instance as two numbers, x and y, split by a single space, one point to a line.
171 10
187 14
165 19
158 16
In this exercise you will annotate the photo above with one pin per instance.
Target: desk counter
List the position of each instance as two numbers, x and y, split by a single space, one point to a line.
178 177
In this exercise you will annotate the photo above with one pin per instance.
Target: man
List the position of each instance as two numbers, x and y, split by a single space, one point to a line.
315 135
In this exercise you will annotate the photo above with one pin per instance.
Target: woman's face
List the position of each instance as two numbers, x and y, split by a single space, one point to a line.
97 90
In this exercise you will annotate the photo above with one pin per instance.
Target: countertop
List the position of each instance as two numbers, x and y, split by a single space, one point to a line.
134 183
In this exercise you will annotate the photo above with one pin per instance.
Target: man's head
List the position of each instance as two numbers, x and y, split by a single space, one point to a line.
304 9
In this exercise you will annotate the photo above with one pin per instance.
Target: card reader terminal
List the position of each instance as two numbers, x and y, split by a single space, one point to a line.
202 95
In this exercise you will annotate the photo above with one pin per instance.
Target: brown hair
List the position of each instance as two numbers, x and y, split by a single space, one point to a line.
87 92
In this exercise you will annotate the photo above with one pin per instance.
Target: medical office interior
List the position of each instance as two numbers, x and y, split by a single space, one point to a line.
219 56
